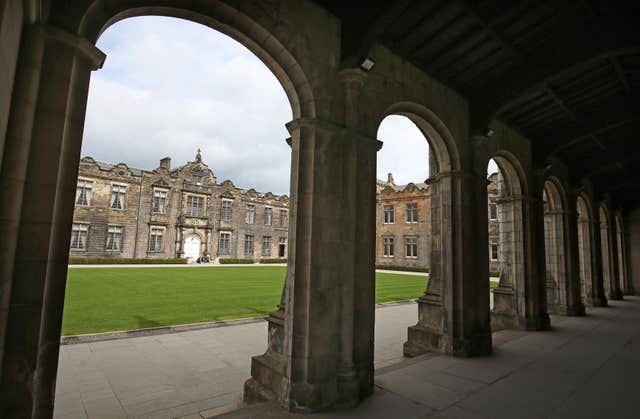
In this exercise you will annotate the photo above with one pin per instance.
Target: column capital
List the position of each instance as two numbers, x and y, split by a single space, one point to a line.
352 79
341 130
84 47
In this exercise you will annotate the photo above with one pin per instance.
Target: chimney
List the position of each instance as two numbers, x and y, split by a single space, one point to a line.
166 163
390 179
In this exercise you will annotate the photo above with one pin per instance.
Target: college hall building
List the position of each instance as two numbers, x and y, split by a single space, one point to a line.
183 212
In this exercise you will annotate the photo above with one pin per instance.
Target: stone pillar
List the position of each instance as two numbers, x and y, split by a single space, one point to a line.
573 290
597 272
320 352
614 260
535 312
628 283
453 314
37 189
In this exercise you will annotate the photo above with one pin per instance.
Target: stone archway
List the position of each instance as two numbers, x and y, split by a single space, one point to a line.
442 326
46 120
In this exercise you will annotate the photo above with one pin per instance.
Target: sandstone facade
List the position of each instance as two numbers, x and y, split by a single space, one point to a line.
403 223
123 212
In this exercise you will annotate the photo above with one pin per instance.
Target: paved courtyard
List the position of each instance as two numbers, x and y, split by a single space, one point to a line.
171 375
587 367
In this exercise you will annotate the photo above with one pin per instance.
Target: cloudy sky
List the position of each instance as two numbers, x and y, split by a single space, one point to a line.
182 86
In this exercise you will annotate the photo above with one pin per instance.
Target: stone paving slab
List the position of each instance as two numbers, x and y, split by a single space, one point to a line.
177 374
587 367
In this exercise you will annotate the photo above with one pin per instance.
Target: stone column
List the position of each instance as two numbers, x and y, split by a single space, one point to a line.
628 284
574 304
37 189
614 260
535 315
325 356
597 273
453 314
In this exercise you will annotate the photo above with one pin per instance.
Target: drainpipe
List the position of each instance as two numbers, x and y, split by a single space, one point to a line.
135 243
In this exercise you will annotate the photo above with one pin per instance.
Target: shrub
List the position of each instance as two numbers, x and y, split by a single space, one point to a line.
403 268
227 261
274 260
125 261
494 273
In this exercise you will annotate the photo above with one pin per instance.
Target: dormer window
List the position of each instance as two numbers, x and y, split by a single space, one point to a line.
197 179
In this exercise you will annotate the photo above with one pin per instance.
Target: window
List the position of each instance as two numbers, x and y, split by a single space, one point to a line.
223 245
195 206
387 247
389 214
248 245
114 238
411 247
266 246
493 211
197 179
79 235
412 213
251 214
118 193
83 192
159 201
268 214
494 251
226 210
283 218
156 239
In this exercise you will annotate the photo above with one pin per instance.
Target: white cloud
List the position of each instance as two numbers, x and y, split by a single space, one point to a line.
170 86
405 151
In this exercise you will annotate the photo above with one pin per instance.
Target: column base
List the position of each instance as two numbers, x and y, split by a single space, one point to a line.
617 295
267 380
503 314
600 301
427 335
538 323
577 309
422 340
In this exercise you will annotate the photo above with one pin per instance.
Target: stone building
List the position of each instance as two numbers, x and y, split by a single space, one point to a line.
403 223
123 212
524 88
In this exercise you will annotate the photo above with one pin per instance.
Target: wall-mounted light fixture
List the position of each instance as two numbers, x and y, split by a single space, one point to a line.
367 64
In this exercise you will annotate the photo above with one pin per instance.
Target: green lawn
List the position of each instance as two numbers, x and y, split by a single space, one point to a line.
107 299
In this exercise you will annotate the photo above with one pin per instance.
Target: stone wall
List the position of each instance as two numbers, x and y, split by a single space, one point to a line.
138 216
